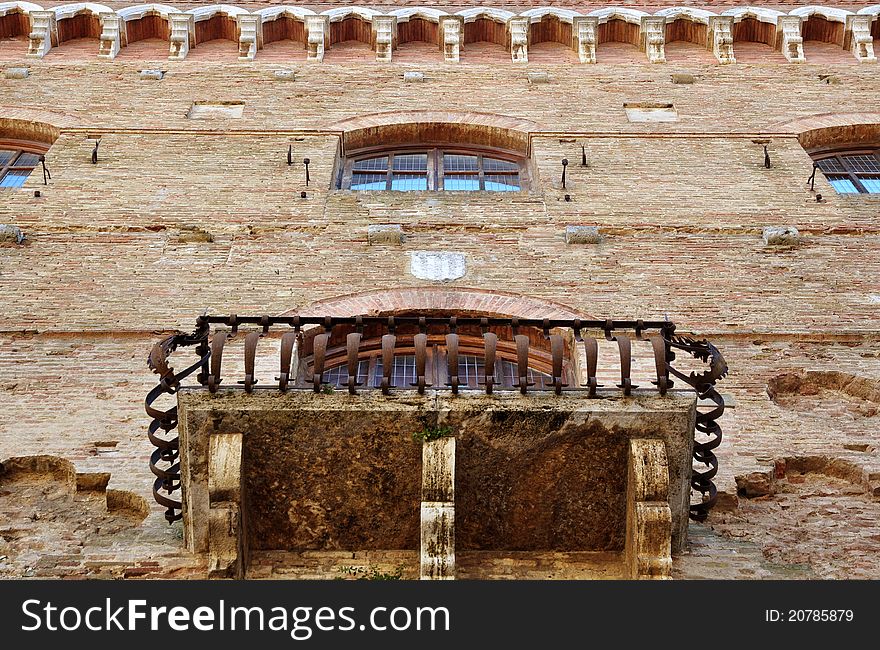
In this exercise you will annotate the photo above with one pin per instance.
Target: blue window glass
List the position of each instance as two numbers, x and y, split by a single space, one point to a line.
461 182
408 182
14 178
871 183
843 185
368 181
502 182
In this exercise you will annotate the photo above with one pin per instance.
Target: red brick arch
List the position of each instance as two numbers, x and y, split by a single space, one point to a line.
487 303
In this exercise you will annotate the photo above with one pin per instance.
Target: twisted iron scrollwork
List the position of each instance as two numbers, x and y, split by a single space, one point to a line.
165 460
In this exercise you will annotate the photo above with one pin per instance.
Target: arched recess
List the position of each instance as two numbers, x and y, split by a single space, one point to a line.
81 20
686 24
550 25
145 22
836 131
284 24
617 25
823 24
485 25
216 22
351 24
418 25
754 33
14 20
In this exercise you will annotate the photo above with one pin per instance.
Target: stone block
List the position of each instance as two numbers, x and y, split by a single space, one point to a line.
756 484
781 236
413 77
437 266
385 234
17 73
683 78
538 77
11 234
582 235
152 75
284 75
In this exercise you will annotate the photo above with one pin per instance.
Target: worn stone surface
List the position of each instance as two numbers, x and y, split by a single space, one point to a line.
385 234
437 266
582 235
781 236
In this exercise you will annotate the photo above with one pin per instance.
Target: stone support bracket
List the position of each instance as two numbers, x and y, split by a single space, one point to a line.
653 38
451 37
648 553
384 36
44 34
584 30
250 39
112 33
858 38
437 555
721 38
183 36
227 545
518 32
317 37
791 43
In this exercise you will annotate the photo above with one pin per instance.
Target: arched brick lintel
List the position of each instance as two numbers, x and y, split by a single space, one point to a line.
833 129
476 301
410 127
35 125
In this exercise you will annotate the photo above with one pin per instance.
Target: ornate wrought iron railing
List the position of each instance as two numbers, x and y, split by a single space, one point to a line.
209 347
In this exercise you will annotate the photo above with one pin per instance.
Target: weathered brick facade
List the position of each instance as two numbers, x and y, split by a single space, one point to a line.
184 215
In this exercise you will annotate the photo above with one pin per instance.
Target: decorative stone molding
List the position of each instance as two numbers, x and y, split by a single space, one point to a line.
250 38
721 38
791 43
385 36
451 37
653 38
859 39
518 29
437 556
583 31
183 35
648 553
44 33
112 33
317 37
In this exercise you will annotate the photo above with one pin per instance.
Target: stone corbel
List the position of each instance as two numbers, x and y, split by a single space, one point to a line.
584 29
384 36
437 556
44 33
451 31
858 38
790 41
250 36
653 38
227 543
648 552
317 37
721 38
112 32
183 35
518 32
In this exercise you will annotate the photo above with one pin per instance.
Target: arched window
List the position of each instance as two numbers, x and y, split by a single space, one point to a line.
17 161
451 169
854 171
471 360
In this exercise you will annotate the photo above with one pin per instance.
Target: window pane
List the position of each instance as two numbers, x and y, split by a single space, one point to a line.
14 178
408 183
5 156
863 163
495 165
830 165
27 160
459 163
510 379
502 182
411 162
369 181
843 185
371 164
403 374
470 370
338 376
461 182
871 183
